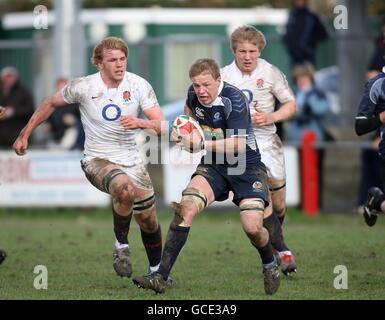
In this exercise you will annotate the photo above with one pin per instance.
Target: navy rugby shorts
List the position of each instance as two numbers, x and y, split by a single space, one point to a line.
251 184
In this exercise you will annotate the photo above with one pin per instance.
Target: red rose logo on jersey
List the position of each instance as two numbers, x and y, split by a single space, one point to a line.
126 95
260 83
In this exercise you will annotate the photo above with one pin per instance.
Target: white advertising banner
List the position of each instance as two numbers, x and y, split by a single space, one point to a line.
46 179
180 165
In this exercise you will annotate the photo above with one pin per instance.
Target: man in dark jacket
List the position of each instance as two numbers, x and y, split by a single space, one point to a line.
18 105
304 30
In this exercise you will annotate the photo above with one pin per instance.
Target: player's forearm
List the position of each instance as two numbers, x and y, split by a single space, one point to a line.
39 116
153 126
235 145
285 112
365 125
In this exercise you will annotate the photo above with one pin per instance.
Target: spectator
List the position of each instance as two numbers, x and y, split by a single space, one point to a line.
18 105
304 30
377 61
65 124
312 107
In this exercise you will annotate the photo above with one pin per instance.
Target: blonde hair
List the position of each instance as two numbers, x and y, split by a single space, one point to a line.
250 34
305 69
205 66
108 43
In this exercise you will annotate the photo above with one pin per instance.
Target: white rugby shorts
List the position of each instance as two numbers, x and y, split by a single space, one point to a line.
272 155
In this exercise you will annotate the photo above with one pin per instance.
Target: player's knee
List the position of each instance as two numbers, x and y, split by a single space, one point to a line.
145 205
255 233
107 184
124 194
279 207
188 211
256 206
184 213
193 201
147 221
248 205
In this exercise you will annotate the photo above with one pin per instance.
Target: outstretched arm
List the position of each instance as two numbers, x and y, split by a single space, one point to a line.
41 114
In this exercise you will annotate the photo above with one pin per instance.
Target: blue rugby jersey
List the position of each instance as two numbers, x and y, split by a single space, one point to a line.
227 116
373 103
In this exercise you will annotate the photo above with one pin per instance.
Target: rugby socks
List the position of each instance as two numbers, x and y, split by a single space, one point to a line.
153 244
121 226
119 245
176 238
266 253
274 227
281 218
154 268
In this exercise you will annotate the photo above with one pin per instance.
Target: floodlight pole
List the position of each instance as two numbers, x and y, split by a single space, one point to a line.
69 39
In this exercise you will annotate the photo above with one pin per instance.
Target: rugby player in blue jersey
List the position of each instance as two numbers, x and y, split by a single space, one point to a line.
370 117
232 163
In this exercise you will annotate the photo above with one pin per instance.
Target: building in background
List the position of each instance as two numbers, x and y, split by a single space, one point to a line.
163 42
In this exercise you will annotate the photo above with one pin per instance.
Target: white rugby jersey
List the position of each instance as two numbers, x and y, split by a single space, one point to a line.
261 87
101 109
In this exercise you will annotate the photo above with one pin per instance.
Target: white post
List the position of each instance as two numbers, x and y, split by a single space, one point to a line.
69 42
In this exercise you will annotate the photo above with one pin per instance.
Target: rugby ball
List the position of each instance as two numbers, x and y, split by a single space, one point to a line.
184 124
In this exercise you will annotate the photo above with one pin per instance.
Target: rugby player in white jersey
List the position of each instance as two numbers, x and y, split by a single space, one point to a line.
110 101
263 83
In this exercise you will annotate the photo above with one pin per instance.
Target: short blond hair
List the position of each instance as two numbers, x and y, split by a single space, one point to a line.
205 66
250 34
108 43
303 70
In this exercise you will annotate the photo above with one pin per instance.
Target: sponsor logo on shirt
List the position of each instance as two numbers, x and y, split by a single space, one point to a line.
257 186
126 95
97 96
217 116
111 112
199 113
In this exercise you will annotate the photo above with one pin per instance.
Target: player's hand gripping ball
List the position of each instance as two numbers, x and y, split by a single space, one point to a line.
187 133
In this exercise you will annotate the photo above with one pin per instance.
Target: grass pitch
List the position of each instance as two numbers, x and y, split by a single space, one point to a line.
217 262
